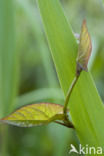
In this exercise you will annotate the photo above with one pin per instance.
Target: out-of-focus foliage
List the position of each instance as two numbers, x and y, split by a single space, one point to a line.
37 71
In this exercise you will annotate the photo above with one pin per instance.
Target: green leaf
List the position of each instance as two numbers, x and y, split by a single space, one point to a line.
85 105
35 114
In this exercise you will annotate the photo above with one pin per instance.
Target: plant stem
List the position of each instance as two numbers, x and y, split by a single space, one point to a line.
66 119
69 93
69 125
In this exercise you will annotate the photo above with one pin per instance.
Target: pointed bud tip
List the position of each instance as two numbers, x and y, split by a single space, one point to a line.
84 50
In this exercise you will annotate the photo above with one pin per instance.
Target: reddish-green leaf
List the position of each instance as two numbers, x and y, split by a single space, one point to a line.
35 114
85 48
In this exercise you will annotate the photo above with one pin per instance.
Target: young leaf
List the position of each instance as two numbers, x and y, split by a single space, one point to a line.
85 48
35 114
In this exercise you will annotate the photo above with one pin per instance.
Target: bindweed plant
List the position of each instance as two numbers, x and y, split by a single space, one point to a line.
82 99
44 113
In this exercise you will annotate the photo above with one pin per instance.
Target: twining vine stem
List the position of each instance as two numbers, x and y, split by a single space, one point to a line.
69 125
68 96
84 52
69 93
67 122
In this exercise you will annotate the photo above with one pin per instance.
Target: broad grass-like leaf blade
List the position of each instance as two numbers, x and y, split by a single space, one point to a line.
35 114
86 108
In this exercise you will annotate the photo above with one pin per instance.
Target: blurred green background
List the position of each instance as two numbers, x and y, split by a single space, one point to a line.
27 73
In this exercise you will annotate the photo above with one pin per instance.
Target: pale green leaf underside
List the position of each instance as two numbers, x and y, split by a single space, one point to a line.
85 105
35 115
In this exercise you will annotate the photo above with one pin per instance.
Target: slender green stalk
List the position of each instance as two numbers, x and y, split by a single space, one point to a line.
66 118
69 93
64 124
